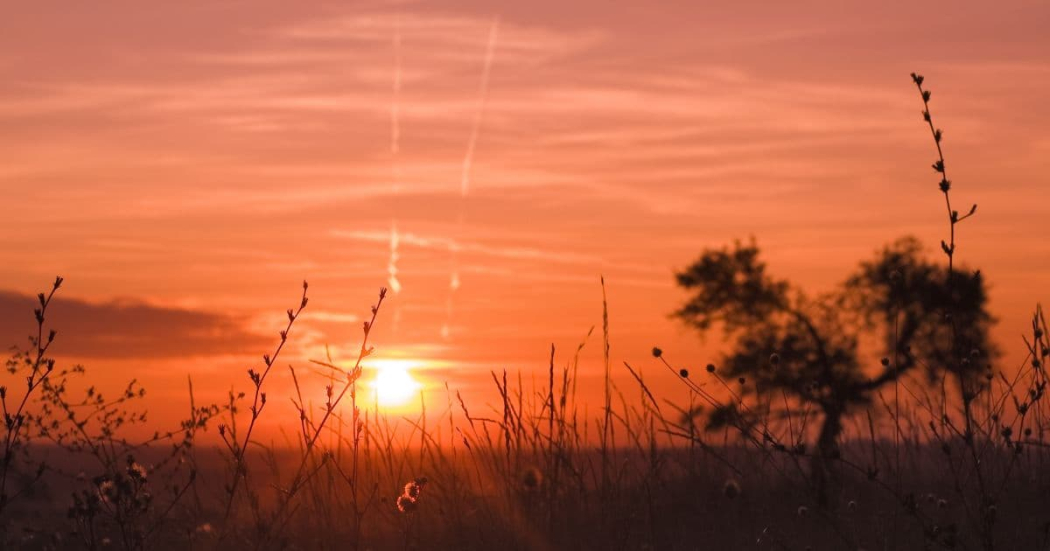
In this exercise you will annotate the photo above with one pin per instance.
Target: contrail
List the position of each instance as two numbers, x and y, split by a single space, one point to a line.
395 148
468 162
392 280
395 106
479 114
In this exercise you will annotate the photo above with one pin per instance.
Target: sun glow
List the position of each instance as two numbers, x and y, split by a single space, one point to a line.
392 384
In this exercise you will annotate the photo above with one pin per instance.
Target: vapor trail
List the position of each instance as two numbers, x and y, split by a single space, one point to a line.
468 162
395 106
479 113
395 148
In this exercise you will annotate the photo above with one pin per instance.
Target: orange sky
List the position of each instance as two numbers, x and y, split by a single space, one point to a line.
186 165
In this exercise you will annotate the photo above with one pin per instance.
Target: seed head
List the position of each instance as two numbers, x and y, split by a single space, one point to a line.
107 490
406 504
137 471
407 501
531 478
731 488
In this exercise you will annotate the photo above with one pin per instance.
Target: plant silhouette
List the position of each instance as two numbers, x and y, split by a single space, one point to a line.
809 349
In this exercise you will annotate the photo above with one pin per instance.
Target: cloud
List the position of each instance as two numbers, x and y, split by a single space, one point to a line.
127 329
502 250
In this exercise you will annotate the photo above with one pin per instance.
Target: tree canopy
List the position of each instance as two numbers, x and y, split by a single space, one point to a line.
811 347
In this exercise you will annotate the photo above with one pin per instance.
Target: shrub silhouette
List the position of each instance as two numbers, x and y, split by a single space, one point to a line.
808 347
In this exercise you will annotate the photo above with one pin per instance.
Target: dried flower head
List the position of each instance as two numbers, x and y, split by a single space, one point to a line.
137 471
407 501
406 504
107 490
531 478
731 488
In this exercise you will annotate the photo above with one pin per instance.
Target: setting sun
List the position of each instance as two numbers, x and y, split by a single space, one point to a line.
392 383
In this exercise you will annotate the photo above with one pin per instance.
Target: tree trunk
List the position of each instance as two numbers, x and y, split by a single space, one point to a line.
827 451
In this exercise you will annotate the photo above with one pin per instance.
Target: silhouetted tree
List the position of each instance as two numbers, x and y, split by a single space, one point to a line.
808 347
929 317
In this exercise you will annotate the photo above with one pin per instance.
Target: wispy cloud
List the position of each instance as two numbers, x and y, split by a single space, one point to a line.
448 244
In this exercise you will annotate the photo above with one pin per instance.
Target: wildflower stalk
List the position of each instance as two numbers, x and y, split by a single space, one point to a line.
238 449
607 424
350 385
949 247
945 184
14 420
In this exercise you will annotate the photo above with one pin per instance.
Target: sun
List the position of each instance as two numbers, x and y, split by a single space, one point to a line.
392 384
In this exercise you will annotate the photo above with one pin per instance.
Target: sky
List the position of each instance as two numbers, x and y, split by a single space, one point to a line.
185 166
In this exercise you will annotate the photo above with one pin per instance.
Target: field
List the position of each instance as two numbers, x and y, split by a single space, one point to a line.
787 445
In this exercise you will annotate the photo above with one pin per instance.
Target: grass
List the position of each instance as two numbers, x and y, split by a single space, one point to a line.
920 468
